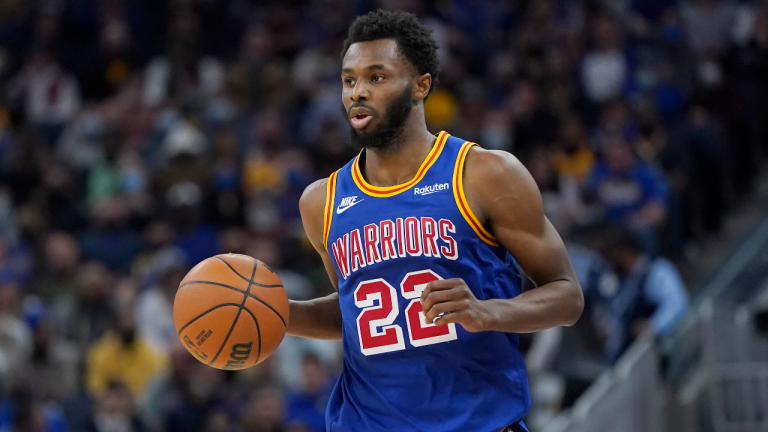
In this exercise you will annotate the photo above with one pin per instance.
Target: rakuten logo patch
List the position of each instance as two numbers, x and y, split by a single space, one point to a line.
426 190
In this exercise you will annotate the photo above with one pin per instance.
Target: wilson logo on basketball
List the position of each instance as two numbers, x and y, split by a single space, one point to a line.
239 354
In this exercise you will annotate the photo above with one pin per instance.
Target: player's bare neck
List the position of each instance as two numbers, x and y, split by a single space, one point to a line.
399 163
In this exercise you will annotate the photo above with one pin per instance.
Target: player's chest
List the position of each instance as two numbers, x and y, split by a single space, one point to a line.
368 235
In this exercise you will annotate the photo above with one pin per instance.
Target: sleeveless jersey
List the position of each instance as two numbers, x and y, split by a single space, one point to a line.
387 243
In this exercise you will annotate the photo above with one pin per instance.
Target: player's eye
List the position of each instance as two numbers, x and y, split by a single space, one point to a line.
377 78
349 81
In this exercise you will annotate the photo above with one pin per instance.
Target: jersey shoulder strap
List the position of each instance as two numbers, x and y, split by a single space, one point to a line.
461 198
330 199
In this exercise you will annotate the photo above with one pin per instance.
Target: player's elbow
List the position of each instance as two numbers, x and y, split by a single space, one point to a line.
573 303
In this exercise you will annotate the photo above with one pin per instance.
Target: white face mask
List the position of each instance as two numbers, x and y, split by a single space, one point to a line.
710 74
112 423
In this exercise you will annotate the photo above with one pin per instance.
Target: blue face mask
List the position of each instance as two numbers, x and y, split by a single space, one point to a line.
225 179
7 228
165 120
91 127
133 181
646 78
672 33
220 112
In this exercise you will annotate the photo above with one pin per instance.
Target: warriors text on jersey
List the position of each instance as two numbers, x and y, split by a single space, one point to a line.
387 243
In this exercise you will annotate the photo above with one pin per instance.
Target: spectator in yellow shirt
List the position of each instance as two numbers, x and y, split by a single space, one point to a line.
122 356
573 156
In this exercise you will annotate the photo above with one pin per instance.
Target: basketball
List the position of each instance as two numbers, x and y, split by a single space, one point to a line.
231 311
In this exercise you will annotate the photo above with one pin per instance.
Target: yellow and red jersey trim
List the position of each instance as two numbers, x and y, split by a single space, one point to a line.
461 199
330 198
388 191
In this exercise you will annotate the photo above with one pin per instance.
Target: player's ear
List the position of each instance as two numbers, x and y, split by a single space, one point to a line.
421 87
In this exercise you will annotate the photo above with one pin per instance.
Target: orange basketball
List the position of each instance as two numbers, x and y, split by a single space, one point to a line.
231 311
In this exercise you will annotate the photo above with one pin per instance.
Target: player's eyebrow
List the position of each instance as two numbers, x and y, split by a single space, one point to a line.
377 66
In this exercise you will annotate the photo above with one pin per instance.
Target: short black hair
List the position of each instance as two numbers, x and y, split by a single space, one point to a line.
413 39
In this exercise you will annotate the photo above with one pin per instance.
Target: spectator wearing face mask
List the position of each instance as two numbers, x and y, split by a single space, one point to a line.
646 295
307 406
15 337
24 413
194 235
605 68
219 421
87 315
14 263
560 194
154 307
264 412
194 393
574 155
114 412
50 370
50 95
632 193
111 240
56 279
120 355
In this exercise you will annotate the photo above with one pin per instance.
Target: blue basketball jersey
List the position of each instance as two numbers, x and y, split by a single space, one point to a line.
387 243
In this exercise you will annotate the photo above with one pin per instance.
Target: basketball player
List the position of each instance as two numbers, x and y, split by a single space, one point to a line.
420 234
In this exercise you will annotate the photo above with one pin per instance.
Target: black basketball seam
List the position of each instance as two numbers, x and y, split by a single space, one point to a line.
237 317
205 313
245 278
224 285
258 332
238 290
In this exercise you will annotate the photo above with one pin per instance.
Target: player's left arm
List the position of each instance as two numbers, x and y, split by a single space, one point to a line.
502 193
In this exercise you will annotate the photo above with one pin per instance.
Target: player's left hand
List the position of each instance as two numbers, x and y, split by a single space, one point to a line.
454 298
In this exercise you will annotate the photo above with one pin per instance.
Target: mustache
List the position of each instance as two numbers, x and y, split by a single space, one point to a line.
357 105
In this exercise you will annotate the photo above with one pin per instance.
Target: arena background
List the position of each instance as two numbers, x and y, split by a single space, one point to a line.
138 137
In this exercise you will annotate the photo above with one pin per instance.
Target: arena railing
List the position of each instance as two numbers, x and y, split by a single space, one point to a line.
711 374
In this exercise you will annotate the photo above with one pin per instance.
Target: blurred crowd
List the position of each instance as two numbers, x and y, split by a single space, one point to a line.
139 137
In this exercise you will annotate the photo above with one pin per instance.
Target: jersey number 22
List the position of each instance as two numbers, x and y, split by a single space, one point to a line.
375 325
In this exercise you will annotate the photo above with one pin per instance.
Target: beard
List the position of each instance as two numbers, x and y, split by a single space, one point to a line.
390 131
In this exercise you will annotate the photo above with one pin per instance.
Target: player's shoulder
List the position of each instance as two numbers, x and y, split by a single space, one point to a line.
314 196
312 208
494 166
498 181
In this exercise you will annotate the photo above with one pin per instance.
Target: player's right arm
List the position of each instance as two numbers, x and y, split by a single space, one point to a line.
319 318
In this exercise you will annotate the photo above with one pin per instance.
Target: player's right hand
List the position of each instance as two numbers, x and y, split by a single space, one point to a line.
451 301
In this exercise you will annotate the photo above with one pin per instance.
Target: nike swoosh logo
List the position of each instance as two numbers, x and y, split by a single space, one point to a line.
340 210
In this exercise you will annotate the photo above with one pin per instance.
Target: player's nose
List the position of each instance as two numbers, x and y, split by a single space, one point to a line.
360 91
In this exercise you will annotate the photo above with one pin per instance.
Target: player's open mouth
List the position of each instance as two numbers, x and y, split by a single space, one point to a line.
360 121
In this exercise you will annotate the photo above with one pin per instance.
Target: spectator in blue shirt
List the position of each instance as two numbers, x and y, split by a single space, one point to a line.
633 193
307 406
637 295
111 240
22 413
196 238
